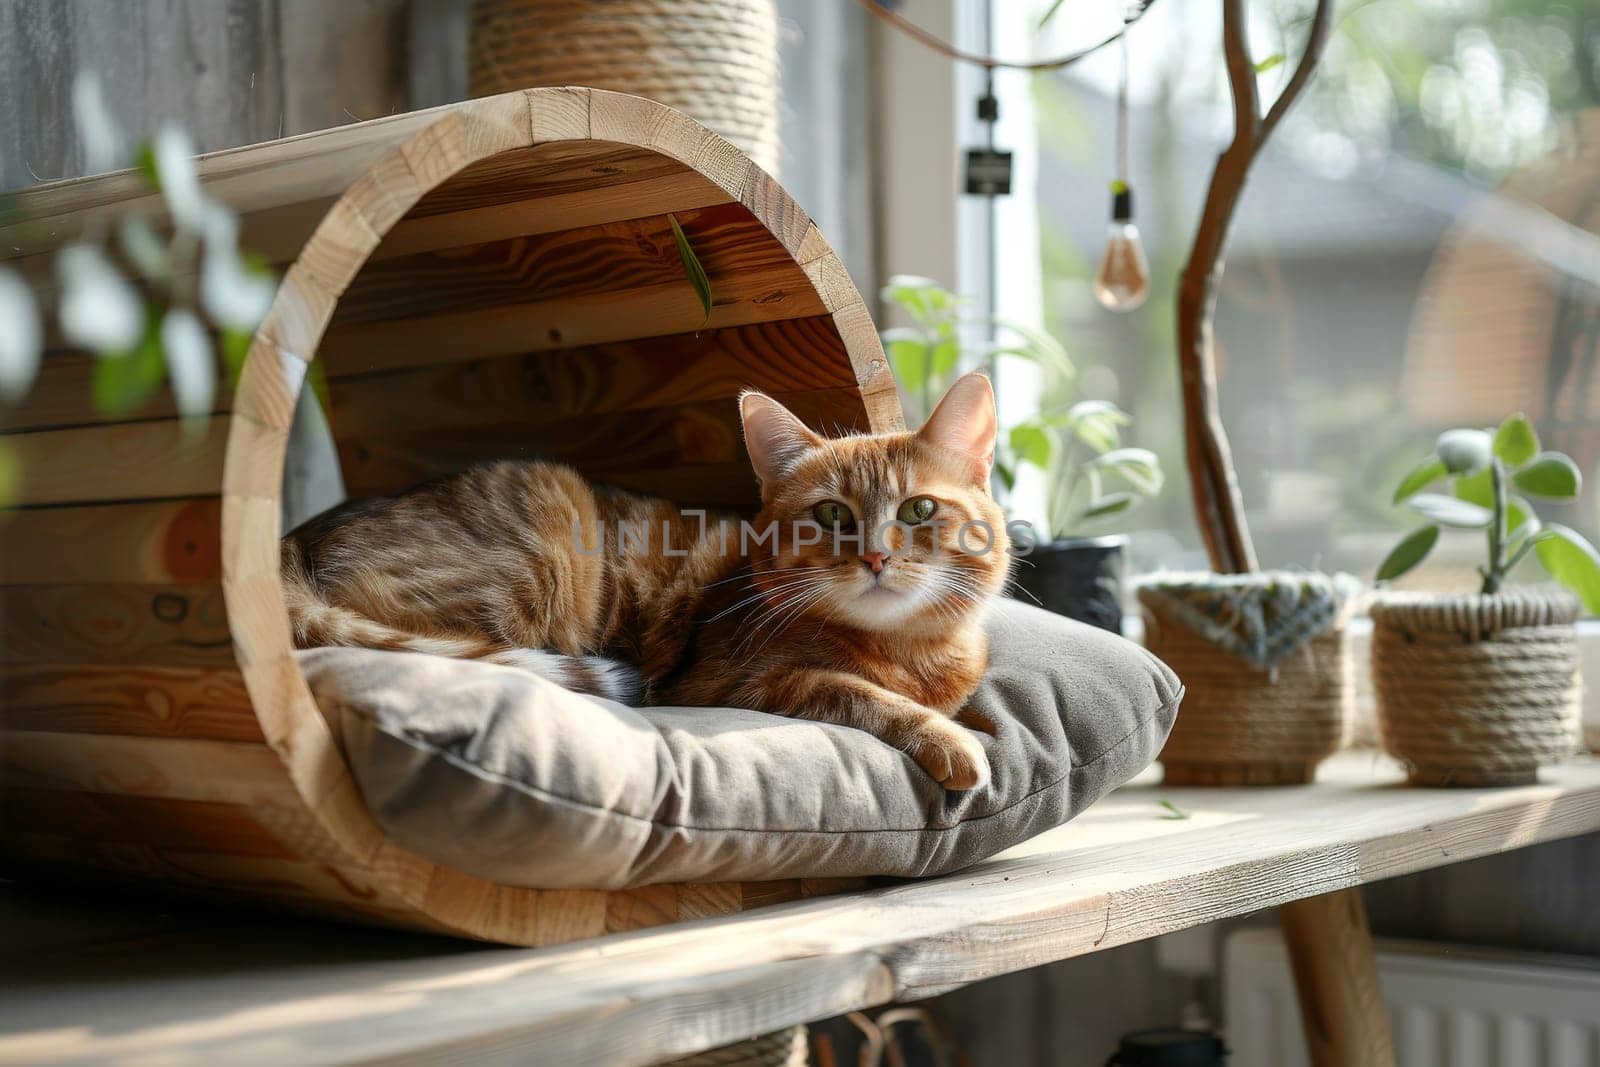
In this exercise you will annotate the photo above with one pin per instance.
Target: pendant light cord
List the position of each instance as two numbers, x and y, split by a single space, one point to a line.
1122 109
877 8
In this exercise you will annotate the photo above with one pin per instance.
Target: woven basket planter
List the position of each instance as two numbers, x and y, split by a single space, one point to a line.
714 60
1246 724
1476 690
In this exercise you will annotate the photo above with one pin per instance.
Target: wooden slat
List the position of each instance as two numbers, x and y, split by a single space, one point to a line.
195 702
227 772
573 321
796 355
619 256
120 461
311 167
596 444
63 395
344 890
589 205
188 825
719 486
115 624
441 437
545 171
178 541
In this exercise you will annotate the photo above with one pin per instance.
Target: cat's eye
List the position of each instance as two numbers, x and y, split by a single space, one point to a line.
917 509
831 514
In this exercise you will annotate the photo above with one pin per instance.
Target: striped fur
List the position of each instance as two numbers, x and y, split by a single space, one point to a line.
527 564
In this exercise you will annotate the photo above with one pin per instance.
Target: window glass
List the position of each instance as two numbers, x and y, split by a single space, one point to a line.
1417 250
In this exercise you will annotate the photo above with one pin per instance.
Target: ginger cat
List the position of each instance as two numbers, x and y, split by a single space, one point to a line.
856 596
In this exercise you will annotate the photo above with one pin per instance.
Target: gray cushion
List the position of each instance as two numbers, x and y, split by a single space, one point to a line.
501 774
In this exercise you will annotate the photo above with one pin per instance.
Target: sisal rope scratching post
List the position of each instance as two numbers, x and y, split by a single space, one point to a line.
1476 690
714 60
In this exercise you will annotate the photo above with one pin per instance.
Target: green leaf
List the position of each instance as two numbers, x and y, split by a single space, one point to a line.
1520 519
922 298
1411 550
1420 477
10 473
1464 451
1040 346
1552 475
1448 511
1007 476
1139 467
1050 13
1096 423
946 354
235 347
908 354
1476 488
1271 61
1516 442
1572 561
1032 444
1109 504
1173 811
144 161
692 267
124 380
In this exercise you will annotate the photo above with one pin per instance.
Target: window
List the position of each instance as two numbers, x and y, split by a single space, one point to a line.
1417 250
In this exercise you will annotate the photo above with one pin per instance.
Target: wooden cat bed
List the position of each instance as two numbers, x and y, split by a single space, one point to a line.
495 278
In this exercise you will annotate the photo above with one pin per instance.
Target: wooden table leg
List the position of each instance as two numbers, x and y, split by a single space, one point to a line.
1336 977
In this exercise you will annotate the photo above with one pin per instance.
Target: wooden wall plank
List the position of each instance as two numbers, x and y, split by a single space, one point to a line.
225 772
63 395
177 541
542 171
344 890
690 453
572 321
115 624
120 461
197 702
191 825
599 445
794 357
620 256
593 205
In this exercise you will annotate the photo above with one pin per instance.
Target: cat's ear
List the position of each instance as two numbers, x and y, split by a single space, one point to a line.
774 438
964 421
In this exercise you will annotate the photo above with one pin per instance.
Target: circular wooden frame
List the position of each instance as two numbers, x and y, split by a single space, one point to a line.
285 818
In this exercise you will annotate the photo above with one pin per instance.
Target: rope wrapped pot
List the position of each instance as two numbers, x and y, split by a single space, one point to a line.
1476 690
1266 702
715 60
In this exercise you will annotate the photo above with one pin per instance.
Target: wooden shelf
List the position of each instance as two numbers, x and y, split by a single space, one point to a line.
247 991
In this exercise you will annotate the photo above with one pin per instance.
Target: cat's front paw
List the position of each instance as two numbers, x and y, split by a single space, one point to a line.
951 755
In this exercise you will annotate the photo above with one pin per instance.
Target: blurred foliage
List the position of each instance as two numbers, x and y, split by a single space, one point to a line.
1480 86
1091 474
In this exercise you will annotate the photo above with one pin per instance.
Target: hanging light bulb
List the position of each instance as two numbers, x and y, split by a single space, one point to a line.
1123 281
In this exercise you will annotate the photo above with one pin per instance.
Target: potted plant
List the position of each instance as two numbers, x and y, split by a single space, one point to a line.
1267 669
1481 689
1090 475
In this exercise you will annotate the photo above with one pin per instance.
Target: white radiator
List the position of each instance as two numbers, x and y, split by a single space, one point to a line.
1451 1007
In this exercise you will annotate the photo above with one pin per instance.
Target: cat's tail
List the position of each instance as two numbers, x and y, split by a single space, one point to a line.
316 624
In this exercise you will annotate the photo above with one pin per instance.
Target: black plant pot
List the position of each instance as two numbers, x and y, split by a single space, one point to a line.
1080 578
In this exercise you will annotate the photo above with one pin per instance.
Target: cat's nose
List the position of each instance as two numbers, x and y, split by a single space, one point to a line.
874 561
